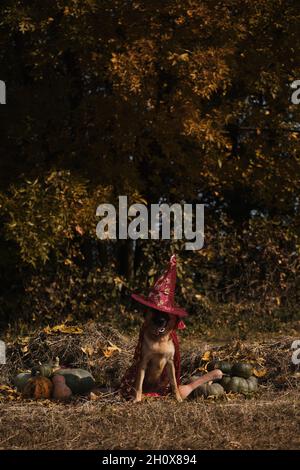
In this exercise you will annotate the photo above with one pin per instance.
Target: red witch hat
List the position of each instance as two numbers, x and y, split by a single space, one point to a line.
161 296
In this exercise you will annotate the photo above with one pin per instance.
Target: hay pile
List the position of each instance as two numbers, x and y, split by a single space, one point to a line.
271 359
101 350
106 353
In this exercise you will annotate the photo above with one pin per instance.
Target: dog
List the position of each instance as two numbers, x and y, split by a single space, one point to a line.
157 353
156 361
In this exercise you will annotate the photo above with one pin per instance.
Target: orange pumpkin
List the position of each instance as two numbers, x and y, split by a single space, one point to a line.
38 387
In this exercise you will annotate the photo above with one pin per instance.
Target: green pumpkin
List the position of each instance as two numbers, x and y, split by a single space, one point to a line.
194 377
209 390
224 366
21 380
224 381
233 385
243 386
240 385
252 384
44 370
242 369
78 380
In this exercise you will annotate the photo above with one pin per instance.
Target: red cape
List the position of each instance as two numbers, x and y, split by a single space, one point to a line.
162 387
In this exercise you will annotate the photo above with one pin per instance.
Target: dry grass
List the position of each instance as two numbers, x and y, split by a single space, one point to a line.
270 420
85 350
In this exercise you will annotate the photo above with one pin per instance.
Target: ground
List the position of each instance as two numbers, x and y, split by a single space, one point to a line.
268 420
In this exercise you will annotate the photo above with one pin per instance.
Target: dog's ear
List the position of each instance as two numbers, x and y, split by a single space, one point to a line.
146 313
144 310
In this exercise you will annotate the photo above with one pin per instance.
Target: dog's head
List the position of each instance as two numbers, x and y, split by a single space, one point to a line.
160 323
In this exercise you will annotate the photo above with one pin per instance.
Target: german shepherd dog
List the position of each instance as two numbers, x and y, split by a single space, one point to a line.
158 352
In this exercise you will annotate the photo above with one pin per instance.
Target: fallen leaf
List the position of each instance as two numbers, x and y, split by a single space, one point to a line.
63 328
6 388
88 350
79 230
108 352
68 262
94 397
259 372
206 356
184 57
9 393
23 339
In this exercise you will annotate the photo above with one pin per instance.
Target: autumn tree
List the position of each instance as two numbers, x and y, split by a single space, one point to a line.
176 101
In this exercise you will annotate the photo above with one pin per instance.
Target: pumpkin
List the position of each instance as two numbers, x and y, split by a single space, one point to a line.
252 384
224 366
233 385
224 381
209 390
242 369
21 380
45 370
195 377
239 384
61 391
38 387
78 380
243 387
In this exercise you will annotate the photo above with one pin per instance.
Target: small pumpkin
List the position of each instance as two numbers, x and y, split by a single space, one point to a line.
240 385
45 370
61 391
194 377
242 369
78 380
252 384
38 387
243 387
225 380
233 385
209 390
21 380
224 366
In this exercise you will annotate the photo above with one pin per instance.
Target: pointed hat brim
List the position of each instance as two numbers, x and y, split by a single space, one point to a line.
173 310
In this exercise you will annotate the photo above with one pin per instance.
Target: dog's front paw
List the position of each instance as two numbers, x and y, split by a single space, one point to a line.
137 399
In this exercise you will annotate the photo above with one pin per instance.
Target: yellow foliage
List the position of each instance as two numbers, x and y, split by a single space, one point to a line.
207 356
260 372
110 350
63 328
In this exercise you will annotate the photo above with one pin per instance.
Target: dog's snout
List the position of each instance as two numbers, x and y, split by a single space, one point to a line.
160 320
